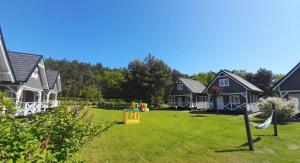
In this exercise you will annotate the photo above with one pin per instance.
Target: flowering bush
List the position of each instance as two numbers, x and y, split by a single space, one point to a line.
284 108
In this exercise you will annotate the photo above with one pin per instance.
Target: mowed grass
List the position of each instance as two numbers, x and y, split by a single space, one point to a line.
171 136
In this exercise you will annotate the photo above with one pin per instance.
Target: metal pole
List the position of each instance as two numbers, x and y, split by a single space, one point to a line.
248 130
274 120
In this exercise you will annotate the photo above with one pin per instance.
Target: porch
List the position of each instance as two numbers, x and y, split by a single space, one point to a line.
31 101
189 101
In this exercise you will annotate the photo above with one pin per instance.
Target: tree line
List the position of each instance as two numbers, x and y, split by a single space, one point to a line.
149 80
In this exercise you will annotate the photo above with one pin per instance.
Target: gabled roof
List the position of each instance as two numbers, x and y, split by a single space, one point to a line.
193 85
238 79
23 64
286 76
52 78
6 58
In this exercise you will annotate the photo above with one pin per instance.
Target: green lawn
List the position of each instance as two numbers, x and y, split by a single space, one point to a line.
169 136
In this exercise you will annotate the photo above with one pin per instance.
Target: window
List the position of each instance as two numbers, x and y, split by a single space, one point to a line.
254 98
179 87
224 82
35 74
234 99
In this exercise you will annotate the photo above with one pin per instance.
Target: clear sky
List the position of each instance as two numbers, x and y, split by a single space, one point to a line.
190 35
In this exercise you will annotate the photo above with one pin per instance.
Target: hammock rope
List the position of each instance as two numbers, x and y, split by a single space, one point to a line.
266 124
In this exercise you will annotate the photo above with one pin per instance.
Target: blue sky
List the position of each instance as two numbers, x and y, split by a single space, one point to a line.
190 35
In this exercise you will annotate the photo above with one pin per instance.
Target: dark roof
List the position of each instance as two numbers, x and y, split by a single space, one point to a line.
23 64
193 85
286 76
52 78
243 82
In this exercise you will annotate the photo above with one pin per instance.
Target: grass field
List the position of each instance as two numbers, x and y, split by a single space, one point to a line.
170 136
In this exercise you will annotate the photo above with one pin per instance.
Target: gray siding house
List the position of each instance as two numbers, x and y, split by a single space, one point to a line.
187 93
234 93
289 85
23 77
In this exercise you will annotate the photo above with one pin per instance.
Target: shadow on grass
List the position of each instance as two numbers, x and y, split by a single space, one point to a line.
198 116
238 149
214 112
254 141
232 150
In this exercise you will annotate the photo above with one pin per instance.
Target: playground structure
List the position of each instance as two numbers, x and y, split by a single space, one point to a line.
131 115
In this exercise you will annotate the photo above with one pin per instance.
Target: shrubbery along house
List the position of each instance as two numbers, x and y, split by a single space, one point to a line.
23 76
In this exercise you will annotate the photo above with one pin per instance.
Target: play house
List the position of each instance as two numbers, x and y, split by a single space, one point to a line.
132 114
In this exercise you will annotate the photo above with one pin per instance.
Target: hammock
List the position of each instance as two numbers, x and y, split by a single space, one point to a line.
266 124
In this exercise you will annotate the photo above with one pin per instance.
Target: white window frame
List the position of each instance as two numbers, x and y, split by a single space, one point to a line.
179 86
235 99
224 82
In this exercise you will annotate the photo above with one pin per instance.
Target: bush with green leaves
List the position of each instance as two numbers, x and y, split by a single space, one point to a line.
55 136
285 108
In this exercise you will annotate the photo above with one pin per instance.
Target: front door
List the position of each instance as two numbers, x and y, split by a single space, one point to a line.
220 103
179 101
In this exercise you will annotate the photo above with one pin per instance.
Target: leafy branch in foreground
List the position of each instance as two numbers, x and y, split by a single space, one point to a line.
55 136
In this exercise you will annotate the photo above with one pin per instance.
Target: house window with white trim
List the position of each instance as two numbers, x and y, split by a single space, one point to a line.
35 74
224 82
234 100
254 98
179 87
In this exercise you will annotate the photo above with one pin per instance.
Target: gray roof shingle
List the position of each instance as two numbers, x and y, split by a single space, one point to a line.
193 85
244 82
23 64
52 78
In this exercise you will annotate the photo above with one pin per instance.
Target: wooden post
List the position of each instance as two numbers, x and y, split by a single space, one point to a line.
274 120
248 130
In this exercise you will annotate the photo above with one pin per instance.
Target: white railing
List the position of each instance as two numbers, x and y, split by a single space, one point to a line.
232 107
28 108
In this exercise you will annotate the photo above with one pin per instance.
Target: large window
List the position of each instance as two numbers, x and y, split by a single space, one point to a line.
234 100
224 82
179 87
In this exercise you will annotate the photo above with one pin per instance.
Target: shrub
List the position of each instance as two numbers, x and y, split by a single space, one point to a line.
55 136
284 108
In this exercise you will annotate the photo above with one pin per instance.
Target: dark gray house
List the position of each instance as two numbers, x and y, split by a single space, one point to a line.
231 92
187 93
24 78
289 85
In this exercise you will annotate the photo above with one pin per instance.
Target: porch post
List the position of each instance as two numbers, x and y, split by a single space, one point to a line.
191 100
18 94
48 96
40 97
247 100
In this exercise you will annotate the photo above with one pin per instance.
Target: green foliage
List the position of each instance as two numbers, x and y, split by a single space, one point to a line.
149 80
111 83
55 136
92 92
284 108
204 78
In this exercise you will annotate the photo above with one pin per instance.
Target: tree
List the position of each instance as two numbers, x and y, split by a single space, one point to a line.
149 80
91 92
111 83
204 78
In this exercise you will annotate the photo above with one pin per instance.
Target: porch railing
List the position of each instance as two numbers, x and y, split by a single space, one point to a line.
28 108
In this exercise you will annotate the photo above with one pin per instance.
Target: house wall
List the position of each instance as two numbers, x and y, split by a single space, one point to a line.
35 83
234 87
292 82
184 91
